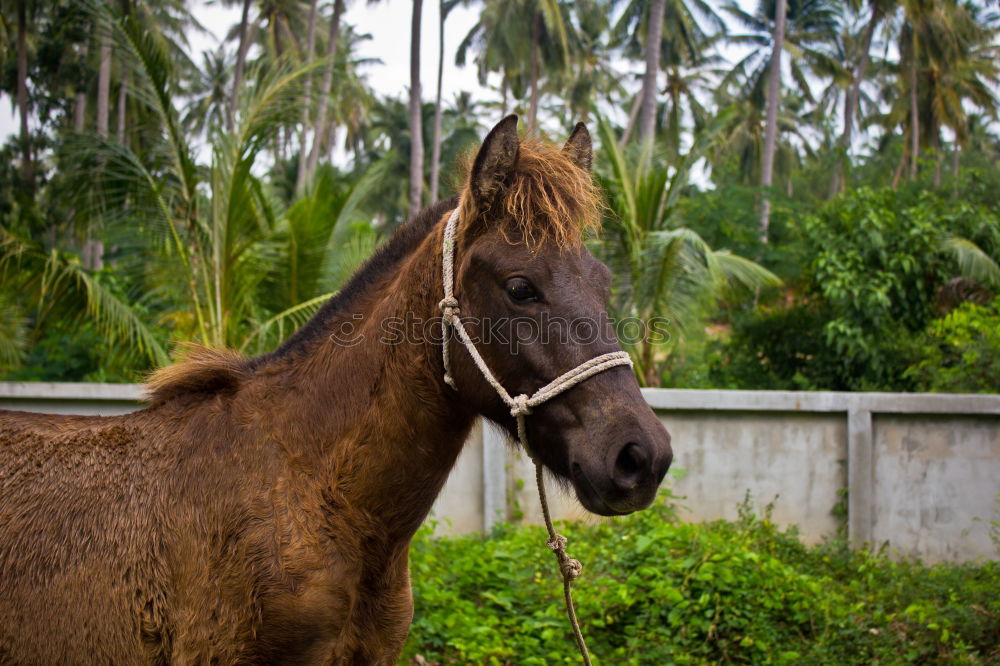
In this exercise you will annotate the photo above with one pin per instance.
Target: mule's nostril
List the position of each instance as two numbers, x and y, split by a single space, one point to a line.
629 465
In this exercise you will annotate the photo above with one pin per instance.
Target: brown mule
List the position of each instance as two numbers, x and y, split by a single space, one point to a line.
260 510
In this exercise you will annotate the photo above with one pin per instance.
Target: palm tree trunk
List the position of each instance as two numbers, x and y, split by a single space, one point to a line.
27 171
838 181
633 115
416 127
771 130
504 89
325 87
436 146
241 58
955 155
937 159
914 120
536 37
80 107
306 97
104 82
654 33
898 175
120 117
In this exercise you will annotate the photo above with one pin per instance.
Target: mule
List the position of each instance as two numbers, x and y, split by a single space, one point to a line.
260 510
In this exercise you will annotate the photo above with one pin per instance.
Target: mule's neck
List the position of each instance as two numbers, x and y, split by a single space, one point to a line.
385 428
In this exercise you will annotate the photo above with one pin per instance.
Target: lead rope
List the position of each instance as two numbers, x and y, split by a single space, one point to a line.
520 407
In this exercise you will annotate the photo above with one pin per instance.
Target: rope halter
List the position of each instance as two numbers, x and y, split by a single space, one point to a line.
520 405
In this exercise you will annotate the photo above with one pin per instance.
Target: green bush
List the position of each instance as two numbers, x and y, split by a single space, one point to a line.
961 351
658 591
876 261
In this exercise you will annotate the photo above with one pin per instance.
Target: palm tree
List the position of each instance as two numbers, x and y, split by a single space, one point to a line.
738 153
506 31
325 87
416 127
498 42
668 270
856 66
797 26
209 104
594 71
686 86
307 96
444 8
947 61
679 39
27 170
214 241
771 128
104 78
647 110
241 58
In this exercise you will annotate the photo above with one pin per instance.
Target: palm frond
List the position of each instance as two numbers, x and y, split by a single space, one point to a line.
973 262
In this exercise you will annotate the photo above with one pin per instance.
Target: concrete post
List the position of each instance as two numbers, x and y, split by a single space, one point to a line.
494 475
860 476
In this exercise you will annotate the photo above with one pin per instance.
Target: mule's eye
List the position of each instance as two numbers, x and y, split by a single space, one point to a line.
521 290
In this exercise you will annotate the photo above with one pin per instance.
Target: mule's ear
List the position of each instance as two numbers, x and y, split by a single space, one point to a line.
494 162
579 148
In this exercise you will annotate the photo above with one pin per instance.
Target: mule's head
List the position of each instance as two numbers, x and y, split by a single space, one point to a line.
534 300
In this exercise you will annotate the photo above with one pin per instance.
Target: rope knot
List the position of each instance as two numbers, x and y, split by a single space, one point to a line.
570 568
449 308
557 544
520 406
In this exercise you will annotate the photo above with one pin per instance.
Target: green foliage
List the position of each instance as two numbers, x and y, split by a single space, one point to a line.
658 591
877 260
665 270
961 351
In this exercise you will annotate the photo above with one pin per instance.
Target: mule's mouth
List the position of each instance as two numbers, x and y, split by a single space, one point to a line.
588 495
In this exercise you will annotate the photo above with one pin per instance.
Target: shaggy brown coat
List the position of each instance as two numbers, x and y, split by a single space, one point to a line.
260 510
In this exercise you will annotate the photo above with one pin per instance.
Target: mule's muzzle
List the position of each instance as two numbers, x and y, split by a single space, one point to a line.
629 477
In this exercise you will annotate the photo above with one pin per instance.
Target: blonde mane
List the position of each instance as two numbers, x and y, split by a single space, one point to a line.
548 198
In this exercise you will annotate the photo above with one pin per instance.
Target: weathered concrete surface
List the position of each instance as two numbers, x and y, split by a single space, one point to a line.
71 398
937 484
459 507
923 471
795 460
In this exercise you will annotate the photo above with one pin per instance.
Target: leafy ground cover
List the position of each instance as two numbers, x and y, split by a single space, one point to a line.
656 590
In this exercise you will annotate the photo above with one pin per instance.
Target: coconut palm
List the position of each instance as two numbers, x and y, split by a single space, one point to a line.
681 39
506 31
209 93
444 8
497 43
667 270
594 72
947 67
319 129
212 241
853 51
797 26
310 53
416 119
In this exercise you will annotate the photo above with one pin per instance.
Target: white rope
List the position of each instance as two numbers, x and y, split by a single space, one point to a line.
520 407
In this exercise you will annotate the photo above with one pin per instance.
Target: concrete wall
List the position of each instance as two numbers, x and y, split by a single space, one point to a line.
922 471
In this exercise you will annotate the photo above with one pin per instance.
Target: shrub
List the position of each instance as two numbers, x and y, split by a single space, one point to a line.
657 591
961 351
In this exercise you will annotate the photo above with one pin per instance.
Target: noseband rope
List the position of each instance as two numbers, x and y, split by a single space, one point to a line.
520 407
